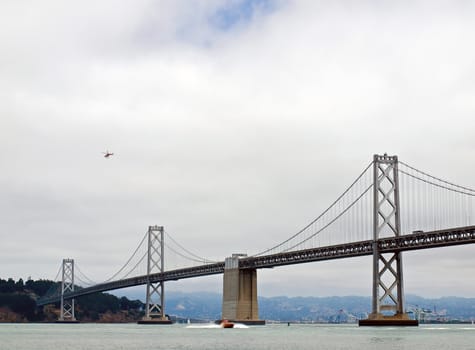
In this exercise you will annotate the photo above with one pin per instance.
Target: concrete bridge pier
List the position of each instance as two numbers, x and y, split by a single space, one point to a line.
240 293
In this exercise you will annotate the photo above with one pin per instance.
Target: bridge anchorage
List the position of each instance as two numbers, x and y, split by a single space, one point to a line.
240 293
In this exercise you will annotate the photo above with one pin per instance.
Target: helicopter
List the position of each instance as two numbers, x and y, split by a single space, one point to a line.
107 154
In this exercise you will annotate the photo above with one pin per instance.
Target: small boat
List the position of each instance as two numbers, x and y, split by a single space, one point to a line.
226 324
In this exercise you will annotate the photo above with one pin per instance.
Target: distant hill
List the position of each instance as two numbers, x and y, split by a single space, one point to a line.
207 306
17 304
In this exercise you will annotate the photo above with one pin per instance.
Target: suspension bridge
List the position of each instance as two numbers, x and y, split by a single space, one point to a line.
391 207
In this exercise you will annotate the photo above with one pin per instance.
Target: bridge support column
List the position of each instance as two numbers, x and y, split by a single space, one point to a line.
240 293
388 288
155 298
67 286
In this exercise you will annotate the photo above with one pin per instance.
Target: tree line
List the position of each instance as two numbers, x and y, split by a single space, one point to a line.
20 297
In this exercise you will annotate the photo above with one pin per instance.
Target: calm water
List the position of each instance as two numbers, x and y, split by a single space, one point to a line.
271 337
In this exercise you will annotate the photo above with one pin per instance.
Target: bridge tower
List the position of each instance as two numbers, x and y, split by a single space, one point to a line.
155 298
240 293
388 288
67 286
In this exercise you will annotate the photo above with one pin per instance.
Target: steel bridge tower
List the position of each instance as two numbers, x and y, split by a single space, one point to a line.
155 298
67 286
388 288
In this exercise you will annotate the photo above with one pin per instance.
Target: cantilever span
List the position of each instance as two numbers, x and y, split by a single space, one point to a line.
413 241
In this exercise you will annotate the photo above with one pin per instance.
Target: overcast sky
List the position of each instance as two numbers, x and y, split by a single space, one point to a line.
233 124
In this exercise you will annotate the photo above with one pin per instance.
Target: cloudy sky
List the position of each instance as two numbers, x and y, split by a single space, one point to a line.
233 124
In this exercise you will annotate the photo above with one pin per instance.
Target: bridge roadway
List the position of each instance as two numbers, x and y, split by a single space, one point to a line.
414 241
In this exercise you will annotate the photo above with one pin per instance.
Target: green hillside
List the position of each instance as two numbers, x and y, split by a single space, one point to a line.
18 304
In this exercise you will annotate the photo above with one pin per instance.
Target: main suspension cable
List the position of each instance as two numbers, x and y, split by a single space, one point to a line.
128 261
89 281
135 266
320 216
439 185
435 178
331 221
59 271
192 257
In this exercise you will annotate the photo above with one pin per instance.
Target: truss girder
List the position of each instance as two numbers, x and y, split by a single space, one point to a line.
413 241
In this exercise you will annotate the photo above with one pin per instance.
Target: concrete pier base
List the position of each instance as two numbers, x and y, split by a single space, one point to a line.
240 294
401 320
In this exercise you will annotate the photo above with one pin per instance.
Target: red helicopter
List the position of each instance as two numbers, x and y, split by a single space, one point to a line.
107 154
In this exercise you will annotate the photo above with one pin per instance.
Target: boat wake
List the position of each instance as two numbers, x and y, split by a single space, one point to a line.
214 326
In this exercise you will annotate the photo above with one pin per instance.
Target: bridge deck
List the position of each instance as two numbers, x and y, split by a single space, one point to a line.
414 241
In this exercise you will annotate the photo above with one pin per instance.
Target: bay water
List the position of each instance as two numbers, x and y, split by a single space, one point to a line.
204 337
